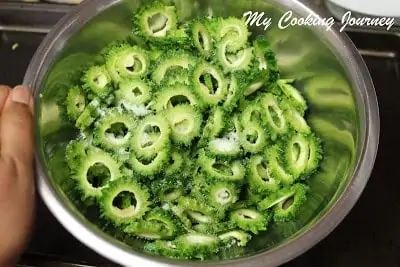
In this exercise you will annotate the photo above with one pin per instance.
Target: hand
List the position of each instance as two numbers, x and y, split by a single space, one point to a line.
17 194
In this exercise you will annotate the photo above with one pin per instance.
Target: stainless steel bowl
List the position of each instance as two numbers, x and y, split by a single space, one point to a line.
332 76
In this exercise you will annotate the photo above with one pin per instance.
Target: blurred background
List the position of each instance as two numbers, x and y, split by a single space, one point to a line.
370 234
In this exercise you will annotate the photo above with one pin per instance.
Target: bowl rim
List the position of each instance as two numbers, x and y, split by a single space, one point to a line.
361 80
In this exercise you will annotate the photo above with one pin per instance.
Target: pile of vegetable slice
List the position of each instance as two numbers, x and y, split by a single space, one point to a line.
192 141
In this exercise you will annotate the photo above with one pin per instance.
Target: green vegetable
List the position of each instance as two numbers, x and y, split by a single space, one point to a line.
113 131
224 170
157 224
75 103
151 136
172 61
189 140
172 96
134 92
249 219
286 202
232 62
155 21
185 123
97 81
197 245
125 61
202 39
214 91
260 178
93 171
239 237
124 201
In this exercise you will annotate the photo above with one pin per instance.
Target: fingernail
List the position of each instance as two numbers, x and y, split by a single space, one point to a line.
20 95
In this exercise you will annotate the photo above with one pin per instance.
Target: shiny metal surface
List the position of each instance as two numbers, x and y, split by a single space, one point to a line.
332 76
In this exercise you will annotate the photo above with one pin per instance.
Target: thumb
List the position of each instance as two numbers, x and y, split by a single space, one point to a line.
16 129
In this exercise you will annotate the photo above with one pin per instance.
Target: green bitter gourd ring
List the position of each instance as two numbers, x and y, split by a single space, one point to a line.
202 39
209 83
151 136
297 152
127 62
95 171
221 169
156 21
97 81
174 95
157 224
275 119
232 62
113 131
260 178
133 92
75 103
185 123
249 219
124 201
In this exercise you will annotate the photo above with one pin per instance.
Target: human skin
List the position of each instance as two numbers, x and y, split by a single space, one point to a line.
17 187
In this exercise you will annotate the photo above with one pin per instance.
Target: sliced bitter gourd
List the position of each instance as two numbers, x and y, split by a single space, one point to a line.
176 163
185 124
296 120
315 156
297 152
151 136
150 166
214 228
274 117
96 81
293 95
155 21
157 224
215 124
234 93
222 194
227 146
253 138
267 62
198 211
75 152
259 177
113 131
133 92
197 245
252 112
209 83
238 237
95 171
124 201
75 103
165 248
146 230
277 167
170 62
220 169
127 62
232 26
286 202
249 219
201 37
174 95
234 61
179 76
168 189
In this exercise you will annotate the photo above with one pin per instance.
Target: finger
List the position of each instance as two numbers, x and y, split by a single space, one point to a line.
16 130
4 92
